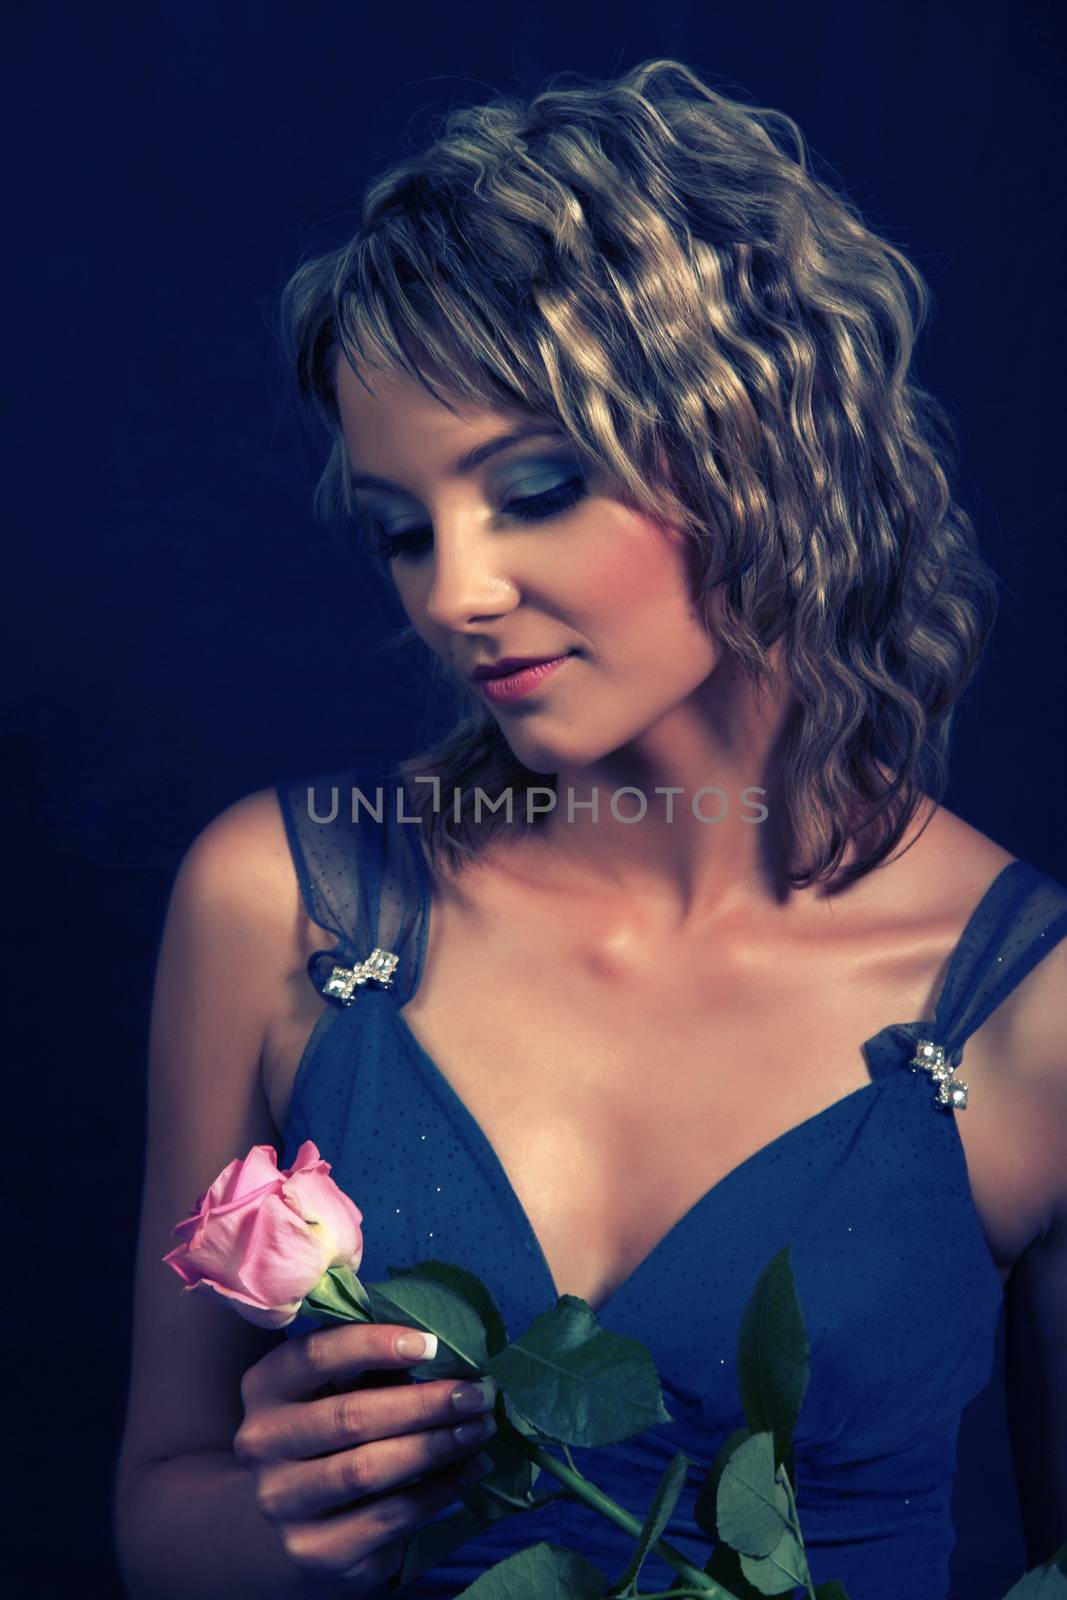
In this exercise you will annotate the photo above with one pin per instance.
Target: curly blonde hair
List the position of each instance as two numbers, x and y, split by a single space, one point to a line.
655 266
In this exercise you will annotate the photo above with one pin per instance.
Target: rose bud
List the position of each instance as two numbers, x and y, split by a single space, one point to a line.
262 1237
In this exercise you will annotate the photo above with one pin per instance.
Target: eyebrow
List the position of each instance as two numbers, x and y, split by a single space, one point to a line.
467 463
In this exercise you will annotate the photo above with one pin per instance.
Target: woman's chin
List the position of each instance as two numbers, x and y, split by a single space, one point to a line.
548 756
540 759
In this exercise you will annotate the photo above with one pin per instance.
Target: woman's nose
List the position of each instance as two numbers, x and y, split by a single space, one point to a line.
468 580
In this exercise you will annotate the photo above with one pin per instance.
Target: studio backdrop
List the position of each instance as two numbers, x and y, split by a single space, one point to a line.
184 631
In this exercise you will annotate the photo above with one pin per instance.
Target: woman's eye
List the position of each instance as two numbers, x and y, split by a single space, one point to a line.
393 545
414 542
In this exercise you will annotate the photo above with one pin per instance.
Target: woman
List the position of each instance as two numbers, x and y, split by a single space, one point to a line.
613 382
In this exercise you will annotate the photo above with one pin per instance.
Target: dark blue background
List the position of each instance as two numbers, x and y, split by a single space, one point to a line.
182 632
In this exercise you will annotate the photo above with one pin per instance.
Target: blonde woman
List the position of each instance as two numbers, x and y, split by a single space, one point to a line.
619 400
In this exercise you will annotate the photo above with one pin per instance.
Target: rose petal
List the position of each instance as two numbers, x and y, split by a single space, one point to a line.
318 1199
307 1156
219 1245
261 1316
284 1258
258 1169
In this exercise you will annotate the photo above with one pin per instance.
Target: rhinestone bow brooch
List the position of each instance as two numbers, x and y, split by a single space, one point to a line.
344 981
930 1058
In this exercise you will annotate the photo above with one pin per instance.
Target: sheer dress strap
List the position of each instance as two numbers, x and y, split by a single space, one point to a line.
1021 918
359 880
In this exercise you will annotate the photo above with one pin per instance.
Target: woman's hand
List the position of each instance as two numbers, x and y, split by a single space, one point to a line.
311 1456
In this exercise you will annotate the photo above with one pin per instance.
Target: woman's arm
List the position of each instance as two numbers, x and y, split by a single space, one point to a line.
186 1521
1036 1345
191 1526
1037 1389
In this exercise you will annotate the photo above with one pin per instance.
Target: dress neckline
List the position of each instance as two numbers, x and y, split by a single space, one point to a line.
896 1033
445 1090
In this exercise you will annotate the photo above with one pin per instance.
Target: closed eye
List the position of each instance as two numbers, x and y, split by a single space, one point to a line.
412 543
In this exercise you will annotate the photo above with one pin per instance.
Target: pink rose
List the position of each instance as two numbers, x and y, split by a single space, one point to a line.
263 1237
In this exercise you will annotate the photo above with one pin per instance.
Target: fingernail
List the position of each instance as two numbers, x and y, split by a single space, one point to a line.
478 1468
416 1346
474 1396
468 1432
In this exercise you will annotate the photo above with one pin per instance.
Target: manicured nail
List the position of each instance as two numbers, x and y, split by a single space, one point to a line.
416 1346
474 1396
468 1432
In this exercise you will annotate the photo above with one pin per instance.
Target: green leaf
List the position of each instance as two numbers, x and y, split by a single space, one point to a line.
524 1425
536 1573
705 1508
752 1507
773 1356
725 1568
473 1290
779 1572
421 1304
435 1540
664 1501
1046 1582
831 1591
576 1381
513 1474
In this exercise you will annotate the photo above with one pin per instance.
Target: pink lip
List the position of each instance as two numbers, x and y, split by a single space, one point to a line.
507 665
516 684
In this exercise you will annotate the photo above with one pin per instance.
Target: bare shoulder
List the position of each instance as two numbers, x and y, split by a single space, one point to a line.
238 872
1030 1031
929 885
954 861
1035 1012
243 853
966 864
1027 1033
237 919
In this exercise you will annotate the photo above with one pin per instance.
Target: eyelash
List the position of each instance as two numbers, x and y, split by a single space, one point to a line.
534 508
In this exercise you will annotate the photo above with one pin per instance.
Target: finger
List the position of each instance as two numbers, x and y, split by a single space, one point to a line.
300 1366
357 1416
294 1490
378 1570
342 1544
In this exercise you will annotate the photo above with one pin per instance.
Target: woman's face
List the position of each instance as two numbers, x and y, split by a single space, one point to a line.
582 576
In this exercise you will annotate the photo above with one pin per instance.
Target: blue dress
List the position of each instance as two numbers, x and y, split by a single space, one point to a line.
900 1292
